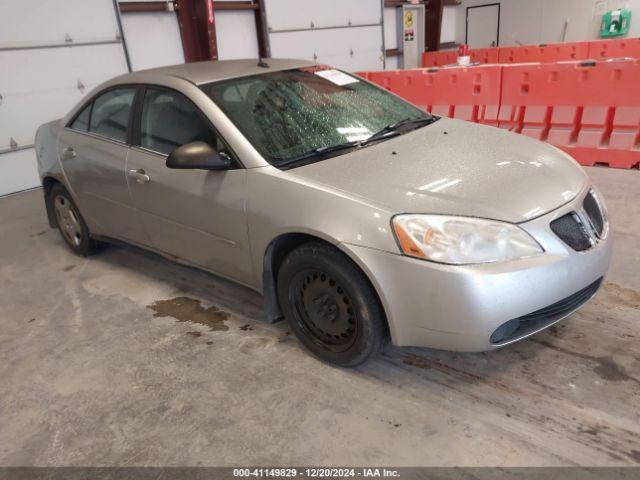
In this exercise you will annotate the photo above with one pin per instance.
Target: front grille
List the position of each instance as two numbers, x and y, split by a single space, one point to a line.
594 213
572 231
528 324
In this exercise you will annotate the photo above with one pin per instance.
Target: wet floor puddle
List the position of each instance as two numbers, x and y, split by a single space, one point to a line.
185 309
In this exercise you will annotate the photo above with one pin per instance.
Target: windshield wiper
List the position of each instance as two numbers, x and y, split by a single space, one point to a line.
392 129
320 151
397 127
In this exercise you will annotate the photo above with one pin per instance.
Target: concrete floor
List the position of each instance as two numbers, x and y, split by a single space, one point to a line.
94 372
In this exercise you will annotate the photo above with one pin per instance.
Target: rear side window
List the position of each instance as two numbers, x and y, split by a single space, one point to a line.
82 120
110 114
169 120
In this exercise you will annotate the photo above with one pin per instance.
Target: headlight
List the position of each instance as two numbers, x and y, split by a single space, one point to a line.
462 240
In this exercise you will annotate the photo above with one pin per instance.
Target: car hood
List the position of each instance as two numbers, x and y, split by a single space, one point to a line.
457 168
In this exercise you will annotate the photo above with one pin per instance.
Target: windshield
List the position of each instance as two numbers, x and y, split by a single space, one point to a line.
290 113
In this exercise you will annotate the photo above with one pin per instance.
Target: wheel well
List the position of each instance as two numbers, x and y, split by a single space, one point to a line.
47 184
275 254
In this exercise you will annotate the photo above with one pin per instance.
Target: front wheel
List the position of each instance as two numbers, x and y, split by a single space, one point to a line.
330 305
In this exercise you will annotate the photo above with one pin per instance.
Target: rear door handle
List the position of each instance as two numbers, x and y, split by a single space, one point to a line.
140 175
69 153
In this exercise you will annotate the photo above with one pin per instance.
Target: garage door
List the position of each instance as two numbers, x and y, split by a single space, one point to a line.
343 33
153 38
52 53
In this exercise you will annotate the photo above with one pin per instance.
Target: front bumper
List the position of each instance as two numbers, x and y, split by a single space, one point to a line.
459 307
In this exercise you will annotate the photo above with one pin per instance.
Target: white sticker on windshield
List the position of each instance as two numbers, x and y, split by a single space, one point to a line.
337 77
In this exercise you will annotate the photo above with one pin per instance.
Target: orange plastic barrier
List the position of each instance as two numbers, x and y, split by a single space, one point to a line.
589 109
439 58
626 47
592 112
549 53
484 55
524 54
557 52
429 59
471 94
450 57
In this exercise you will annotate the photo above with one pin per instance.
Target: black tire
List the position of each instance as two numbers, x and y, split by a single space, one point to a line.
70 223
330 305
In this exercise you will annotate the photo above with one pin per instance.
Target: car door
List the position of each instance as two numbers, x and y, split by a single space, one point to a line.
93 150
196 215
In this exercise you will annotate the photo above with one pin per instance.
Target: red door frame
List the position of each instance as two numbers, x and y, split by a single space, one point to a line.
197 32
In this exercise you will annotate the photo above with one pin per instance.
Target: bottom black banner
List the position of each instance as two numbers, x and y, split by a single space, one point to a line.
224 473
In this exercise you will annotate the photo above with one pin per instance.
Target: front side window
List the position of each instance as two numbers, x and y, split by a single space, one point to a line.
110 113
290 113
170 120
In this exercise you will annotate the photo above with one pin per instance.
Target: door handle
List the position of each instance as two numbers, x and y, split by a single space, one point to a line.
69 153
140 175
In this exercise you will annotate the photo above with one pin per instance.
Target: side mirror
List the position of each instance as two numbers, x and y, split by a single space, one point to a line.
198 156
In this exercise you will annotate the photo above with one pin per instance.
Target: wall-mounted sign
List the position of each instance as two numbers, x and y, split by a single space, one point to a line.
408 19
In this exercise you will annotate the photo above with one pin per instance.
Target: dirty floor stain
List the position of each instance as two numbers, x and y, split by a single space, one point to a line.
428 363
68 268
635 455
622 296
607 368
185 309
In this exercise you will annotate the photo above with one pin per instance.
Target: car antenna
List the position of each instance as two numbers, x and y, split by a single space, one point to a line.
262 63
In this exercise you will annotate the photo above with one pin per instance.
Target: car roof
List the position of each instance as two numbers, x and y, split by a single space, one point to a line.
212 71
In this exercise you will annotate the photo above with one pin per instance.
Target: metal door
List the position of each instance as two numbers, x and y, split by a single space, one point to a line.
95 168
93 150
196 215
483 26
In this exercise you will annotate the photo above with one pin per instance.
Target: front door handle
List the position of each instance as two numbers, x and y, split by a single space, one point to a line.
69 153
140 175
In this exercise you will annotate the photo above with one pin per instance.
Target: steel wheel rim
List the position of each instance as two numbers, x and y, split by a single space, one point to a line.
324 310
68 220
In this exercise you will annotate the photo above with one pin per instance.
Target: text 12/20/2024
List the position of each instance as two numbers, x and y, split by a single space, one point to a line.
313 472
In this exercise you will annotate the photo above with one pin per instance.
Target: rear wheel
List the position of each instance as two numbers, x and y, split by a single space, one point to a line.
72 226
330 305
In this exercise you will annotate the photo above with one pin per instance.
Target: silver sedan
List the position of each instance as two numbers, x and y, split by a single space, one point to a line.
357 215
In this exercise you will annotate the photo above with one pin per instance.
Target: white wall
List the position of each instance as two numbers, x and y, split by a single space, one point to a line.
449 21
236 34
153 39
345 33
542 21
53 53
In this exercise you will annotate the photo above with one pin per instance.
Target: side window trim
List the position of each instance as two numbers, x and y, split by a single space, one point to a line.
136 129
136 116
90 114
